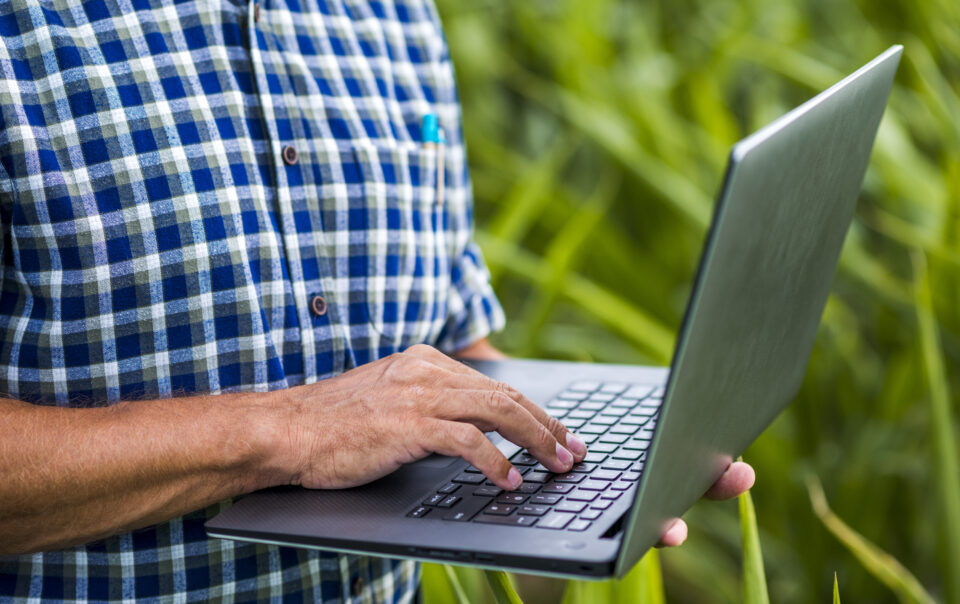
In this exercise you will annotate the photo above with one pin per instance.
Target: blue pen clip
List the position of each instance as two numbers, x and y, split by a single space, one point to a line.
430 129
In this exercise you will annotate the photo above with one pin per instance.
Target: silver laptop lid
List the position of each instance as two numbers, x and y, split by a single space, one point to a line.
768 263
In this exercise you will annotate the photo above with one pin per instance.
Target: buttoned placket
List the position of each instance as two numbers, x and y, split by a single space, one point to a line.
316 313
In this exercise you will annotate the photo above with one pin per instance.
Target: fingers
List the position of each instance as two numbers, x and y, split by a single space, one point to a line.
467 441
675 535
490 410
738 479
465 377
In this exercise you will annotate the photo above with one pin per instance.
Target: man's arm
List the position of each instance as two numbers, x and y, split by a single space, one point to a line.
70 476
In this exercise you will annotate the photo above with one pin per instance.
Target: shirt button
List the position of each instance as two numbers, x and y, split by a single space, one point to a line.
318 305
357 587
290 155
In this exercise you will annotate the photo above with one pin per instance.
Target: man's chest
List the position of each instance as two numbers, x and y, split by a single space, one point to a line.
206 171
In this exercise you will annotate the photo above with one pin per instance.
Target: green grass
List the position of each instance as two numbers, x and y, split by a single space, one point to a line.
597 134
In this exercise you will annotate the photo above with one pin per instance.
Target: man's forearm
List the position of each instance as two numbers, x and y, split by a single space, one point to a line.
70 476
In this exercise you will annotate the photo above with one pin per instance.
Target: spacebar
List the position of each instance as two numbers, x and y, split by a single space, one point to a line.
508 520
467 508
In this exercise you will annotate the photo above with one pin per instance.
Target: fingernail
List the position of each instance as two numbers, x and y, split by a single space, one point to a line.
514 478
576 445
565 456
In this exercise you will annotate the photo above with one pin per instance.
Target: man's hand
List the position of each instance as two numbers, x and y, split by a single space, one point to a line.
738 479
367 422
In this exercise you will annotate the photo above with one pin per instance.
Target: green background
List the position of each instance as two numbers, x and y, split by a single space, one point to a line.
597 134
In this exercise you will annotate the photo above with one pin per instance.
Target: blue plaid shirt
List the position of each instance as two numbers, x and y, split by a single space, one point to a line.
180 185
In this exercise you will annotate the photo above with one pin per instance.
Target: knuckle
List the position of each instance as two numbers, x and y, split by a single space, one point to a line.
467 437
555 426
545 438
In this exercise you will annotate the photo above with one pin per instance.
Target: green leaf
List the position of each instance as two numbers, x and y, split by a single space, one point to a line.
836 590
503 591
754 579
877 562
946 453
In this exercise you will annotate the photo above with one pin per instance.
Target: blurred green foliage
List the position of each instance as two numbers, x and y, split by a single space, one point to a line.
598 132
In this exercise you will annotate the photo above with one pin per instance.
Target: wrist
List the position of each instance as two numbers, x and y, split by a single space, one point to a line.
262 436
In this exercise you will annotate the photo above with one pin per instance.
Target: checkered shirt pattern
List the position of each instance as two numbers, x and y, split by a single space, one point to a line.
156 243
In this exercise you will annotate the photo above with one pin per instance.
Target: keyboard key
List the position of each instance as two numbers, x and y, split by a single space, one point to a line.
570 506
487 491
602 397
637 466
571 395
573 424
524 459
581 414
533 510
632 476
512 499
613 387
592 428
573 477
640 444
469 478
635 420
591 514
582 495
579 525
542 499
624 429
621 485
537 477
506 520
594 457
617 439
591 405
583 468
616 464
434 499
602 504
555 520
527 488
539 468
559 403
615 411
645 434
605 475
589 438
658 392
611 495
638 392
594 485
584 386
499 509
557 413
472 470
450 488
449 501
558 488
604 420
628 454
419 512
622 403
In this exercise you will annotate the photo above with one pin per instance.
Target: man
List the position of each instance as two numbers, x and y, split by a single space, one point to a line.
223 251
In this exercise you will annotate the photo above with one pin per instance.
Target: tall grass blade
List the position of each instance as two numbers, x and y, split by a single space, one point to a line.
877 562
836 590
944 437
754 578
455 585
503 591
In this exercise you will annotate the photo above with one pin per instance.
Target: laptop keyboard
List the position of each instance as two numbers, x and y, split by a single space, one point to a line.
616 420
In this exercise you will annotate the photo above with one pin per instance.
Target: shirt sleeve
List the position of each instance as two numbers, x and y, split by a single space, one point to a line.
473 309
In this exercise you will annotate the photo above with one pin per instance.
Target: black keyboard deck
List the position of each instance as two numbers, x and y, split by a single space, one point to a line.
616 420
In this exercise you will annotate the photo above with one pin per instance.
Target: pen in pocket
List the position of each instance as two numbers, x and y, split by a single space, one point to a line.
432 137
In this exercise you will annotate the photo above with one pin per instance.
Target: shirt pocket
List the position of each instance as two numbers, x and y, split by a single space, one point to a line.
406 264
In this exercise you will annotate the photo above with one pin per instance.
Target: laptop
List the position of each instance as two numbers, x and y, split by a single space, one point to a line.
657 438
